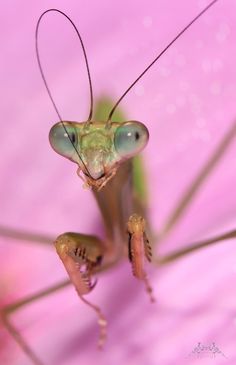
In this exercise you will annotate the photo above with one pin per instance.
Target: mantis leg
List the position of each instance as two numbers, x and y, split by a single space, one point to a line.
82 256
6 312
193 247
139 250
198 182
24 235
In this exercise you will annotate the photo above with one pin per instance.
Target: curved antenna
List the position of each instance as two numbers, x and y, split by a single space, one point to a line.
85 57
45 81
157 58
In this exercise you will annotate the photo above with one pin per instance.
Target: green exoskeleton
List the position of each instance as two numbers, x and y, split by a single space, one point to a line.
101 150
105 152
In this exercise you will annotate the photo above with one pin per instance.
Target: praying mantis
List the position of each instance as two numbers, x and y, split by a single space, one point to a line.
115 178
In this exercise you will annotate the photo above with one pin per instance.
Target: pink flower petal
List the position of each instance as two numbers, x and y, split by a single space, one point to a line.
187 101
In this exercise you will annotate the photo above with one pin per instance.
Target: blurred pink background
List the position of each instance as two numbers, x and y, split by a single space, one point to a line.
187 101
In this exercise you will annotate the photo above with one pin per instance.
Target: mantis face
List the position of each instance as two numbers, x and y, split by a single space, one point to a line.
98 149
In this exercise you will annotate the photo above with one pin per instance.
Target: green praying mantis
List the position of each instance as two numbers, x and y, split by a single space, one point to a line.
105 154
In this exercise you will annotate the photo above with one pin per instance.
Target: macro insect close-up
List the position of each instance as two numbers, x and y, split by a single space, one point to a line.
156 288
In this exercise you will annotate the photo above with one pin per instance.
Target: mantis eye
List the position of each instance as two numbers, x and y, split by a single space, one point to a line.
63 140
130 138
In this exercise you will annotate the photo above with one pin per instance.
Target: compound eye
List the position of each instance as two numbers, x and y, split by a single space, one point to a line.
130 138
63 139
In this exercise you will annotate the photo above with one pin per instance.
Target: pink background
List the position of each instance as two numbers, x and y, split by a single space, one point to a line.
187 101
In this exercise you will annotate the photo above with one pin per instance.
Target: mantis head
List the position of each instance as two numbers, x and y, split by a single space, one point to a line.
98 148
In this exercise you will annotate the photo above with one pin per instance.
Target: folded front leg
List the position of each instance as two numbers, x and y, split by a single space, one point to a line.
139 250
82 255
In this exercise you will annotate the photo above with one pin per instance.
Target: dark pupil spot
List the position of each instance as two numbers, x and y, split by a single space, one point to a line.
137 136
73 138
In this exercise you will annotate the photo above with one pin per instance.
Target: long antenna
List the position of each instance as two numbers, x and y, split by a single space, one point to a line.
157 58
85 57
45 81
